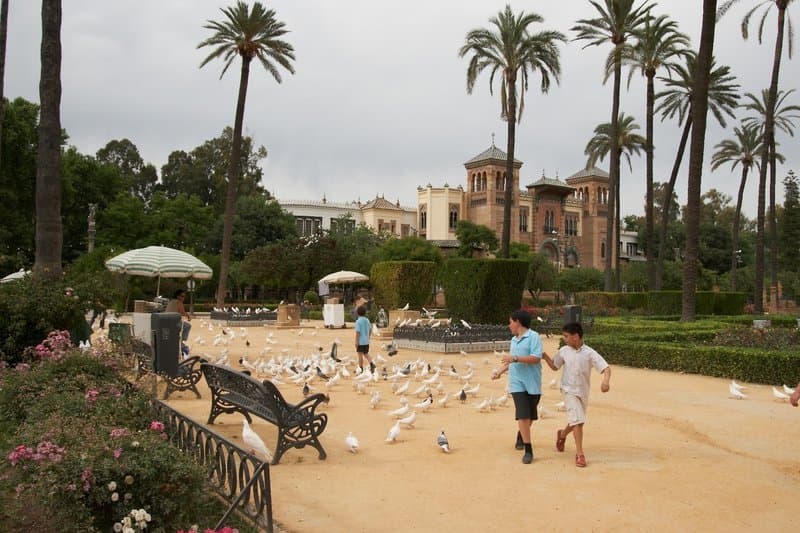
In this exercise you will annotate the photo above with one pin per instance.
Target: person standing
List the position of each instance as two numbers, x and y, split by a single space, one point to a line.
523 364
363 328
176 306
577 360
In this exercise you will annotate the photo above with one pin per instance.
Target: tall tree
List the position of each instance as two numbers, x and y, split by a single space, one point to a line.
767 158
49 236
617 21
3 35
741 150
124 155
516 53
249 34
723 97
626 142
702 77
658 45
790 222
784 117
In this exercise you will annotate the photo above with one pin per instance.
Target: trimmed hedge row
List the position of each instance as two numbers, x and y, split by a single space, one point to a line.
746 364
664 302
484 290
397 283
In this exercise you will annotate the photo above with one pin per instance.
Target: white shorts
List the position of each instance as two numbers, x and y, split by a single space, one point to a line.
576 409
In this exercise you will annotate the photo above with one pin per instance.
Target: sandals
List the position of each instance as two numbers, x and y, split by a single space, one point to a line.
580 461
560 440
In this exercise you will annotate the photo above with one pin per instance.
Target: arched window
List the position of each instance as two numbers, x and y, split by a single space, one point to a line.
453 217
498 182
423 217
603 250
523 220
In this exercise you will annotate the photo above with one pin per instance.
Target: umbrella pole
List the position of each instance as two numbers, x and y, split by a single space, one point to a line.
158 287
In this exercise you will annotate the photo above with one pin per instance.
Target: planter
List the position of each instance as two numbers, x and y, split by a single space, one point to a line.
763 324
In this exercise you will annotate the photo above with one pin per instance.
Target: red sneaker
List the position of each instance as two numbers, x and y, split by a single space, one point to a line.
580 460
560 440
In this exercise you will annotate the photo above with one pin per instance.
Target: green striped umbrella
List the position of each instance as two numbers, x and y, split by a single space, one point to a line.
161 262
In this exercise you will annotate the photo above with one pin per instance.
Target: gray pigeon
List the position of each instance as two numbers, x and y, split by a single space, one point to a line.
442 442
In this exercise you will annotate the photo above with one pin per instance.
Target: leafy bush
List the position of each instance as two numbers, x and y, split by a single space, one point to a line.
311 297
397 283
483 291
767 339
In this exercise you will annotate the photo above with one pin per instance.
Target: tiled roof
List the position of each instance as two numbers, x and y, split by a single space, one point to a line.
493 152
381 203
318 203
550 182
589 172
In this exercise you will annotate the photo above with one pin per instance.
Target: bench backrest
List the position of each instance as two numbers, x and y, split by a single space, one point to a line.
263 394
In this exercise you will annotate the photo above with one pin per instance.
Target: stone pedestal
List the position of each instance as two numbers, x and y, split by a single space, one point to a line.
288 316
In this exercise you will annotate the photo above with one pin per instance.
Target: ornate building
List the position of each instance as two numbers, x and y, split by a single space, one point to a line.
564 219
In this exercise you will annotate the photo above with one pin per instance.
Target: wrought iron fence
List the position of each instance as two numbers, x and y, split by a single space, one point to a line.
455 332
254 316
240 478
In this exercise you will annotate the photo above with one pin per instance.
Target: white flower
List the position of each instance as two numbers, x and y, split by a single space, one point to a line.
115 496
135 444
128 530
126 522
112 486
117 527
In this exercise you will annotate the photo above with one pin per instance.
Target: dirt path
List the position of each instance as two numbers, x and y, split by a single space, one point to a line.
665 452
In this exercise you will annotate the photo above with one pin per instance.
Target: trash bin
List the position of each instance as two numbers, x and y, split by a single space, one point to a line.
572 313
166 341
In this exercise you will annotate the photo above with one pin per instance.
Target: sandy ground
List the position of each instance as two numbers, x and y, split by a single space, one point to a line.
665 452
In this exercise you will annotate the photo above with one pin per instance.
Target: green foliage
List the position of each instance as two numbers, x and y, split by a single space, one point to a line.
662 302
311 297
542 274
572 280
474 237
98 287
483 291
396 283
410 249
32 307
123 156
789 225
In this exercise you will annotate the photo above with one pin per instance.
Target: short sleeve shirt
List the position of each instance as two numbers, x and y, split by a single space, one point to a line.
576 375
526 377
362 328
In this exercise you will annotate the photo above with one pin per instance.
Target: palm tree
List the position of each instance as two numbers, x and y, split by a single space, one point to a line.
783 119
616 22
249 34
676 100
658 45
769 123
515 52
49 235
700 91
627 142
741 150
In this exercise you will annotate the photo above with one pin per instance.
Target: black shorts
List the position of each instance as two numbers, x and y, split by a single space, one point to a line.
526 405
363 348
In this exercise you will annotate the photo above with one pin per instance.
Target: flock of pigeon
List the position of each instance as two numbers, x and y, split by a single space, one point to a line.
736 392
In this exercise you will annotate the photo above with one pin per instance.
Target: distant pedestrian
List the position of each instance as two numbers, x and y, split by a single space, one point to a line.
577 359
524 377
363 329
176 306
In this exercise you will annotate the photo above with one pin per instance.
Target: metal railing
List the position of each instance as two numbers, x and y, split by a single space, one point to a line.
240 478
455 332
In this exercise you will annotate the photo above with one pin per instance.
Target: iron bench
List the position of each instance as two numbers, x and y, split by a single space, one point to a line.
187 377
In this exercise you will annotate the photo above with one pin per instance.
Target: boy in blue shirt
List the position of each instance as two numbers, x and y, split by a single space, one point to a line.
524 377
363 328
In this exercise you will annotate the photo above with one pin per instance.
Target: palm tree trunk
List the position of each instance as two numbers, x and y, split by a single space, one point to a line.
3 35
735 243
773 225
49 236
769 140
512 123
234 169
617 228
662 239
648 209
697 147
613 174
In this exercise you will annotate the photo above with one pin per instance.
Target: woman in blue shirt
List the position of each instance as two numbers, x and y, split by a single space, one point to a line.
524 377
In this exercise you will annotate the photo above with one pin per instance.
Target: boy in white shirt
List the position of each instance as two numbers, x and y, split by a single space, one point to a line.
577 360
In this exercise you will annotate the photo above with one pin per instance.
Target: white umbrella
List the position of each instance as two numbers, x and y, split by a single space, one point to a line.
161 262
15 276
343 276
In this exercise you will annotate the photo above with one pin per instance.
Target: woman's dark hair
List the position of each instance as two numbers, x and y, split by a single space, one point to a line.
523 317
361 311
178 293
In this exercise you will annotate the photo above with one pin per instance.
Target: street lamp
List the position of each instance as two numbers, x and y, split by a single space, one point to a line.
554 236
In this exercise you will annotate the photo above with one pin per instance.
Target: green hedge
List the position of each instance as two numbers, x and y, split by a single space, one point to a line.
397 283
664 302
483 290
746 364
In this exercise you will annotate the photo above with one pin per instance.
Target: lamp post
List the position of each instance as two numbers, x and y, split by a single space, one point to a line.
557 241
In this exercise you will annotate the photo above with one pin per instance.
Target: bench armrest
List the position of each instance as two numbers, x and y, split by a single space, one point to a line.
310 403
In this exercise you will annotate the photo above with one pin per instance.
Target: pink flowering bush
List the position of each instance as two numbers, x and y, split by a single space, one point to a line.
54 347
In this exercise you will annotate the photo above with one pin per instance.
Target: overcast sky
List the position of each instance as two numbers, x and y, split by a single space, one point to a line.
378 105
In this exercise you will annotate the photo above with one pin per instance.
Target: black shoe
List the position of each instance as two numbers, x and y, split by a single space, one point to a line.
519 445
527 458
372 367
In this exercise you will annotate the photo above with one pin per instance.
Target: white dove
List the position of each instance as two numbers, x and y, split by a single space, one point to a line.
484 406
375 330
255 443
442 402
424 404
788 390
779 395
409 420
736 386
561 406
351 442
394 432
403 388
735 393
474 390
465 324
375 399
442 442
405 307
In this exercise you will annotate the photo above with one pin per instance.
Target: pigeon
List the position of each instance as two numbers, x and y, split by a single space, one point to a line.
473 391
375 330
540 319
400 412
484 406
425 404
394 432
306 389
251 439
442 402
84 346
321 374
403 388
442 442
788 390
735 393
409 420
561 406
351 442
392 350
462 396
405 307
375 399
736 386
780 396
465 324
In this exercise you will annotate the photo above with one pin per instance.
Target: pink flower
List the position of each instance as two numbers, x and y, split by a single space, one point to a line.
91 395
117 453
120 432
155 425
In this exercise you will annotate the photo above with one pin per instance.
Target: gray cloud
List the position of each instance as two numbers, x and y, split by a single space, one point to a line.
378 104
